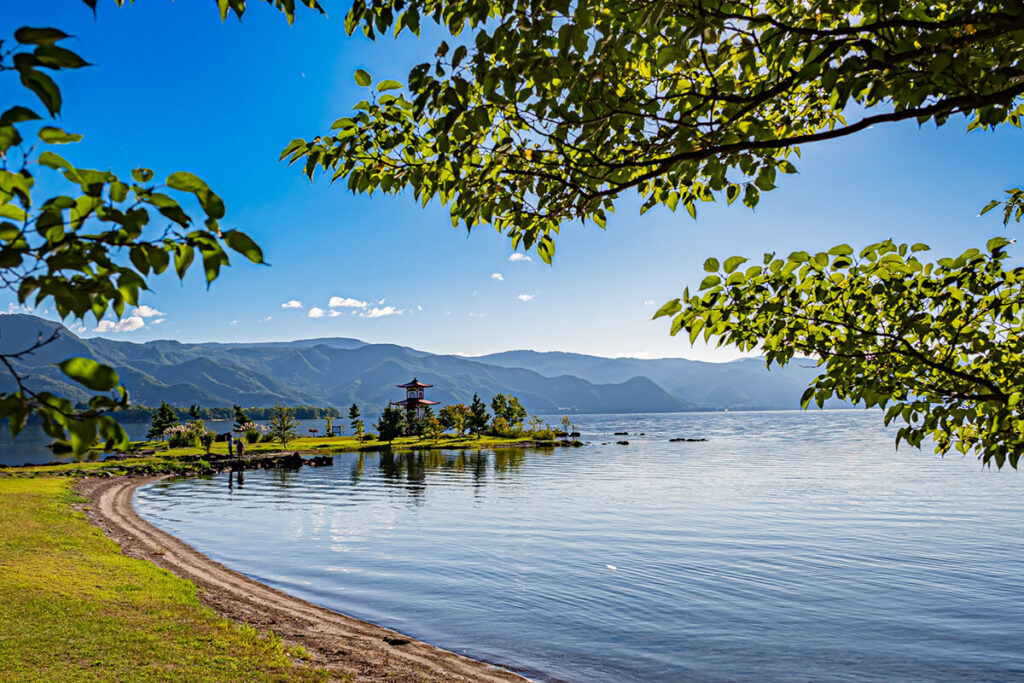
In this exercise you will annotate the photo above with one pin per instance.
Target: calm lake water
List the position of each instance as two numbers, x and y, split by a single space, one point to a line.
791 546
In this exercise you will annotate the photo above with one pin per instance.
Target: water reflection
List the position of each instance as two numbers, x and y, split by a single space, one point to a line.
788 547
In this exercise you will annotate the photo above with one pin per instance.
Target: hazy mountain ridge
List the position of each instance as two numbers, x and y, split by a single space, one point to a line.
339 371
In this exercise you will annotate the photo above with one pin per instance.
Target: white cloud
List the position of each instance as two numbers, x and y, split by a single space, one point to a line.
380 302
519 257
497 276
267 319
525 297
649 302
233 322
159 320
77 327
129 324
316 312
345 302
15 308
334 314
419 308
475 315
146 312
292 304
381 312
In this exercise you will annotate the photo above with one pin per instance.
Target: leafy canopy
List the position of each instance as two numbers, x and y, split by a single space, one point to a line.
90 248
283 426
940 346
546 112
542 112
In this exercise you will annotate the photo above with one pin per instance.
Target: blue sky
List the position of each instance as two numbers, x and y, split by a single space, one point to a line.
175 89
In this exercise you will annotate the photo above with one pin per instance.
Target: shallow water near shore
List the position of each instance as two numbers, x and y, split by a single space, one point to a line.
790 546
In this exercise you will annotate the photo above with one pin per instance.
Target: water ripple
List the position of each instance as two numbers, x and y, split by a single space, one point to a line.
791 546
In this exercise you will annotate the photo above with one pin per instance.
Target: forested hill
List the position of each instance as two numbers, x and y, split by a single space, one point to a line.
338 372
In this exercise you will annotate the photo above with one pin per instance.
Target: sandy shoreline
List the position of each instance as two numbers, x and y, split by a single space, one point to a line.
341 644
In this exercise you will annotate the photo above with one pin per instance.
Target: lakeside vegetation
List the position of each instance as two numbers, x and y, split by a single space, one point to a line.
72 607
148 457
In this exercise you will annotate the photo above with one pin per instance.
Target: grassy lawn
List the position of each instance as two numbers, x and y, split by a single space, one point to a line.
72 608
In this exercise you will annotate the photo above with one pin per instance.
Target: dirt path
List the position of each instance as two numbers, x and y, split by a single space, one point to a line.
341 644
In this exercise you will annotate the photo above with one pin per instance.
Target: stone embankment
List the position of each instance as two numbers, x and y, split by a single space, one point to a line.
208 464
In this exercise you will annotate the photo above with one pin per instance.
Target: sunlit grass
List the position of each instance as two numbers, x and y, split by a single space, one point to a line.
73 608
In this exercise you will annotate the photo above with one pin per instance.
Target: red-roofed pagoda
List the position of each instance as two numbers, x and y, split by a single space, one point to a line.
414 397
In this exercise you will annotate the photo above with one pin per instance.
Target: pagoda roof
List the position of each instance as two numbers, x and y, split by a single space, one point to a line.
414 384
415 402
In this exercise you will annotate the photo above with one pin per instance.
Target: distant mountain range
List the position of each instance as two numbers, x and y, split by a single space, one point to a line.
338 371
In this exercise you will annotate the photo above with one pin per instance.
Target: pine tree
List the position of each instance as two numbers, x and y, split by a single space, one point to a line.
353 417
478 417
162 418
283 425
240 419
391 424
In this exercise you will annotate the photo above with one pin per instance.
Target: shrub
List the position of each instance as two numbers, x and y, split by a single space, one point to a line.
179 439
501 427
206 438
252 436
546 434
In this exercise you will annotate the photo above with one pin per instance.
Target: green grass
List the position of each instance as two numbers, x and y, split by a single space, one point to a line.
73 608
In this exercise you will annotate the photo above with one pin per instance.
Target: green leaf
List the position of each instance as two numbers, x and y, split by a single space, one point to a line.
9 136
388 85
56 136
670 308
90 374
183 256
244 245
17 114
996 243
988 207
39 36
58 58
711 265
841 250
363 78
710 281
187 182
44 88
733 262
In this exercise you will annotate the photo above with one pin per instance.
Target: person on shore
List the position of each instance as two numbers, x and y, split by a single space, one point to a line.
241 448
231 444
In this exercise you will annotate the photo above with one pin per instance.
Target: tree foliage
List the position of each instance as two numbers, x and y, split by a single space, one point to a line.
549 111
455 416
508 408
540 113
162 418
90 247
478 416
939 346
241 419
353 416
283 426
391 424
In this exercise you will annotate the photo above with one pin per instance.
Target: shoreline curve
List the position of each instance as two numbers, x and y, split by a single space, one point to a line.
336 642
